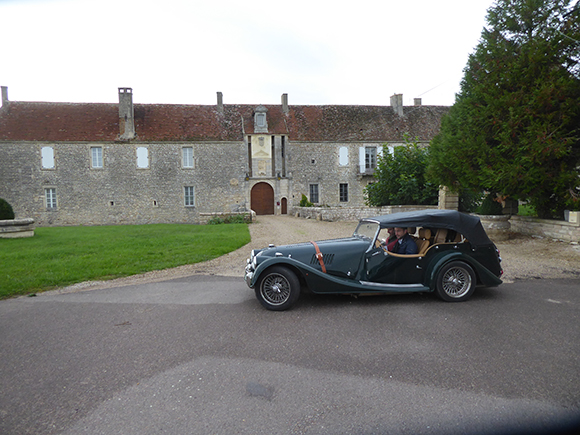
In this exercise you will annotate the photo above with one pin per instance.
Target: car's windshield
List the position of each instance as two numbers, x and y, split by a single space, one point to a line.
367 230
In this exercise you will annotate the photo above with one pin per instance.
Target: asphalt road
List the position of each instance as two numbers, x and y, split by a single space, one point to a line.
199 355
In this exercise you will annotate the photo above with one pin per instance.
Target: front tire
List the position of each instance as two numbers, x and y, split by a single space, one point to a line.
278 288
455 282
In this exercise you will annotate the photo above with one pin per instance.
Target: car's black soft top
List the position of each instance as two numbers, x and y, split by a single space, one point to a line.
468 225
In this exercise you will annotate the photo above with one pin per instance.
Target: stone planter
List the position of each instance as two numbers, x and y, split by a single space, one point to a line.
572 216
497 227
14 228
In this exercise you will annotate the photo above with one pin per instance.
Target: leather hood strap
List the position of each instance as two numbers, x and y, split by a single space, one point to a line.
319 256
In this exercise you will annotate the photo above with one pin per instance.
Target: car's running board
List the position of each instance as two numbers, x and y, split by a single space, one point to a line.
401 287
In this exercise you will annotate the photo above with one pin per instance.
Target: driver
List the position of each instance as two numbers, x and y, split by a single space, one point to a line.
405 243
390 242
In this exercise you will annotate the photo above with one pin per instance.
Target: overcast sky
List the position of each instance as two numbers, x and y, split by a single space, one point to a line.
184 51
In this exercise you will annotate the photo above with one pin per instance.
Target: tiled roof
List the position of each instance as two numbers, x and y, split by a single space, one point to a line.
166 122
59 122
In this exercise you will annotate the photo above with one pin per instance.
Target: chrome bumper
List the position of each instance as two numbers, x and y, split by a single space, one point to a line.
249 274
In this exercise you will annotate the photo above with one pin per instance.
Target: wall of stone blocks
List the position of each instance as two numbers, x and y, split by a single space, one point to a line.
353 214
318 163
560 230
121 193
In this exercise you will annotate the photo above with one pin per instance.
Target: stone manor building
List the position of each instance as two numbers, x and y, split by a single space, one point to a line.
125 163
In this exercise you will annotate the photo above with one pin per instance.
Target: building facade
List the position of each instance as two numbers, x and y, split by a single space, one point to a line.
125 163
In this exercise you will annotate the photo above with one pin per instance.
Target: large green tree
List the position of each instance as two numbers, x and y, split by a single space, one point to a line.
515 124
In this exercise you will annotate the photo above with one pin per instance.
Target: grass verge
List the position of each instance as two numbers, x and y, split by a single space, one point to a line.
60 256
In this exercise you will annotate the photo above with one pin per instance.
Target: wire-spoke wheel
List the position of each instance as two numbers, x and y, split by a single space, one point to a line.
456 282
278 288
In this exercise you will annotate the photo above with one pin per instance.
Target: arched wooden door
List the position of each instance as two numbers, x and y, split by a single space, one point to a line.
262 199
284 206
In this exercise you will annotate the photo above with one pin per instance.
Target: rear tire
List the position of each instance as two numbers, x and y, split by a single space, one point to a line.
278 288
455 282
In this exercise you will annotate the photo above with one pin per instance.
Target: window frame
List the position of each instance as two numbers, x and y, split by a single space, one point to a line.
185 159
189 196
371 155
99 157
314 197
343 192
50 198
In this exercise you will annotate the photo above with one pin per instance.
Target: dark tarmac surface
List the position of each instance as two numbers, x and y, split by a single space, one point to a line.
200 355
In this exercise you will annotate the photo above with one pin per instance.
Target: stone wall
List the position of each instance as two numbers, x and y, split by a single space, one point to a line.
320 163
560 230
16 228
352 213
120 192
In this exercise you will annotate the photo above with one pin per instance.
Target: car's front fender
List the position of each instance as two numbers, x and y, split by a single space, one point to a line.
272 261
316 280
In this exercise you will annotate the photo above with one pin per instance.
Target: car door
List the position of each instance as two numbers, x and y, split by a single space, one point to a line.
389 269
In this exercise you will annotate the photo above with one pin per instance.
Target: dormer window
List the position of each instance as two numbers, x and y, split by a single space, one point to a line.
260 120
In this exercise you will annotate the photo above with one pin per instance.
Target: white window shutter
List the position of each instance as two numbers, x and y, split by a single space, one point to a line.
361 159
379 152
47 155
343 156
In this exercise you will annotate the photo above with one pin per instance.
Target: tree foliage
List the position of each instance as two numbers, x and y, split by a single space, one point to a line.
6 211
515 124
400 178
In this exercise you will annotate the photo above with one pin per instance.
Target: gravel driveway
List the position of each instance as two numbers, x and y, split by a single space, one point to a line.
523 257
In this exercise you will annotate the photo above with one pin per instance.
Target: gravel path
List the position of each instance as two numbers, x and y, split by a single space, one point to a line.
523 257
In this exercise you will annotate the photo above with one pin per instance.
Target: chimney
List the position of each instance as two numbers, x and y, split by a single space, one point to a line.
126 119
220 102
397 104
417 101
5 96
285 103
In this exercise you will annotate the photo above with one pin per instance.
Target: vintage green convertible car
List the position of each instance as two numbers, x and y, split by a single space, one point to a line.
454 255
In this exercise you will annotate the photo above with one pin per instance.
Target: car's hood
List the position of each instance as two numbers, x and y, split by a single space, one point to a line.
340 256
326 246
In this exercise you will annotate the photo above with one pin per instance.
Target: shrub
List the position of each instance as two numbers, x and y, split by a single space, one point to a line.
231 219
490 206
6 211
527 210
216 221
304 202
469 200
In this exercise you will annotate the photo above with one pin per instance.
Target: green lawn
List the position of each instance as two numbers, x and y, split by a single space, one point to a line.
60 256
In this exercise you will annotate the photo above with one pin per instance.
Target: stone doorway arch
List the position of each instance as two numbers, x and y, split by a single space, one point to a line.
262 199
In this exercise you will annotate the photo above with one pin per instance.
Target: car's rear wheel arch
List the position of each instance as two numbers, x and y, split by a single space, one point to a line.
455 281
430 278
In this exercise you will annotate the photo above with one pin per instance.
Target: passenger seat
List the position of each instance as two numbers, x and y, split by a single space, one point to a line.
440 236
423 240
